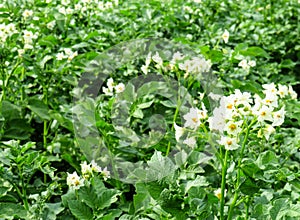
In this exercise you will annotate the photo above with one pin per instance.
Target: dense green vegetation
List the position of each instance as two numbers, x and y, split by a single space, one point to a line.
149 109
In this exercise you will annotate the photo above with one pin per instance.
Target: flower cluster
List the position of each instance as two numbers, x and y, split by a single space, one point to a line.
28 37
195 65
111 87
88 170
66 54
7 31
245 64
74 181
193 119
237 109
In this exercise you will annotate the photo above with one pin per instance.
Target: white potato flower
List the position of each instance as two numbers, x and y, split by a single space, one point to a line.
105 173
178 131
217 193
283 91
218 120
278 117
51 24
157 59
252 63
269 88
244 64
74 181
229 143
176 57
225 36
234 127
86 169
266 132
191 142
27 13
95 167
192 119
264 113
292 93
120 88
60 56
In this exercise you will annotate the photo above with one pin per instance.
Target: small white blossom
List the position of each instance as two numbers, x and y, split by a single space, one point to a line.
225 36
120 88
270 88
292 93
283 90
217 193
60 56
74 181
95 167
233 127
191 142
85 169
278 117
192 119
244 64
264 113
229 143
51 24
252 63
21 52
266 131
110 84
105 173
27 13
178 131
157 59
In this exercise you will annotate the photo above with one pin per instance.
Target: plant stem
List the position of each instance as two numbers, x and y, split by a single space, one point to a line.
179 103
224 171
247 203
238 178
45 132
5 83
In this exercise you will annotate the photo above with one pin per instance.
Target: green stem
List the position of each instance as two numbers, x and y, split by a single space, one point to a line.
247 203
224 171
24 192
5 83
45 132
179 103
239 173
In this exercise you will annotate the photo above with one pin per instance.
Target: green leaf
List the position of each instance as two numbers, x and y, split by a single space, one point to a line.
18 129
267 159
279 206
160 166
88 195
45 60
288 63
113 214
141 201
51 210
10 111
249 187
107 197
69 196
138 113
8 210
39 108
49 41
251 169
80 210
200 181
145 105
255 52
80 45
